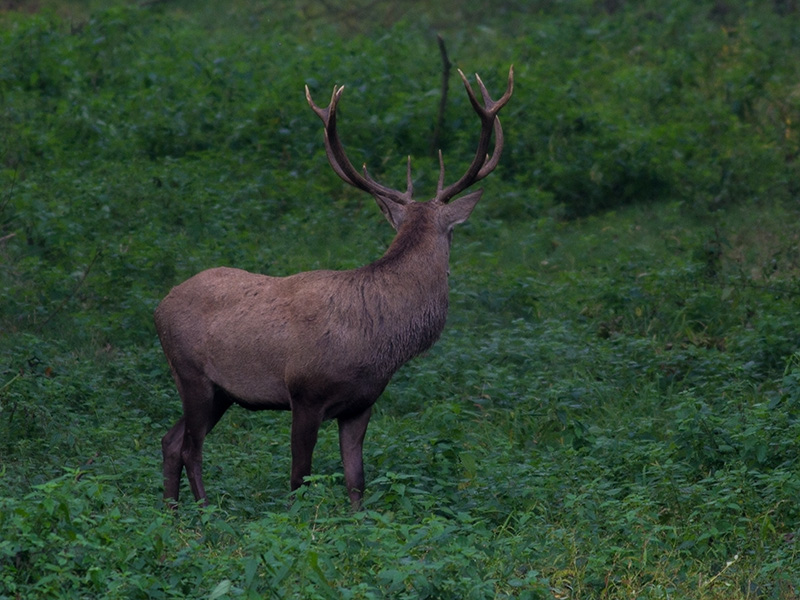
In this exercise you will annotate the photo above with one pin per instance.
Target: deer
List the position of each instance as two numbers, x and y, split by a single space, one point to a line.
322 344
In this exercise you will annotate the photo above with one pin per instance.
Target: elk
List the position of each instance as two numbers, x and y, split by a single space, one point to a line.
322 344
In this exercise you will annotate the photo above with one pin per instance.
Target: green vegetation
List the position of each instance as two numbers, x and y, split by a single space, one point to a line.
614 408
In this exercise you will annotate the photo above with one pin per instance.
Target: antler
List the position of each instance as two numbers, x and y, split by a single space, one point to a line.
342 165
482 164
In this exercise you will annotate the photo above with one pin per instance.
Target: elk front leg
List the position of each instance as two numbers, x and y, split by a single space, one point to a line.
305 427
352 430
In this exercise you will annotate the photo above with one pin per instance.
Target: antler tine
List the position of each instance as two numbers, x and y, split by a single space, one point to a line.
482 164
501 102
472 99
487 99
337 157
409 183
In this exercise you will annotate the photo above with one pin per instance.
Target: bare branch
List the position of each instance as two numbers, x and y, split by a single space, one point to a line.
446 64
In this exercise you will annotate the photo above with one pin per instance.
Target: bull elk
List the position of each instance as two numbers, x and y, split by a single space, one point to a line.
322 344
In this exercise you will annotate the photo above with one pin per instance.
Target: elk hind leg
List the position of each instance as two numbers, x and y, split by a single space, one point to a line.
171 445
203 406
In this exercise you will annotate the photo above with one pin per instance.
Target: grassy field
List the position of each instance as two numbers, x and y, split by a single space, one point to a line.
613 410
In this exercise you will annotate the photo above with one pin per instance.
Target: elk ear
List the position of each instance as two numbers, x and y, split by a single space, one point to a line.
458 210
394 212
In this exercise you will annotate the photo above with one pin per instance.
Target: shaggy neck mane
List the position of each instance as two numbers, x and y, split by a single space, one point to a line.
408 315
411 242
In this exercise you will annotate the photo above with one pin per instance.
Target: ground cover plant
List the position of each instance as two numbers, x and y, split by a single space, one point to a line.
612 410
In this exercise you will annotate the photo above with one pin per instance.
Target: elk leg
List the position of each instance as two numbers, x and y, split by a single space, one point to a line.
351 440
305 427
202 408
171 445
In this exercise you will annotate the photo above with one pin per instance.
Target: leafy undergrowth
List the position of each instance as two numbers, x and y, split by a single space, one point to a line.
614 408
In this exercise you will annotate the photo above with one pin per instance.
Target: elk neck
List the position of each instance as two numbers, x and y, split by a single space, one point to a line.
406 291
418 257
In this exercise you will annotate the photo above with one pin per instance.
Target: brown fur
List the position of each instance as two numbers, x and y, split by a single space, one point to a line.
323 344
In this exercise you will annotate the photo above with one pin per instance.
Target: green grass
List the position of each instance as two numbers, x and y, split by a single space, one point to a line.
612 410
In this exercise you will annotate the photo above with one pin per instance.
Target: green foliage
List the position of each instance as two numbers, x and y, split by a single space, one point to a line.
613 408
